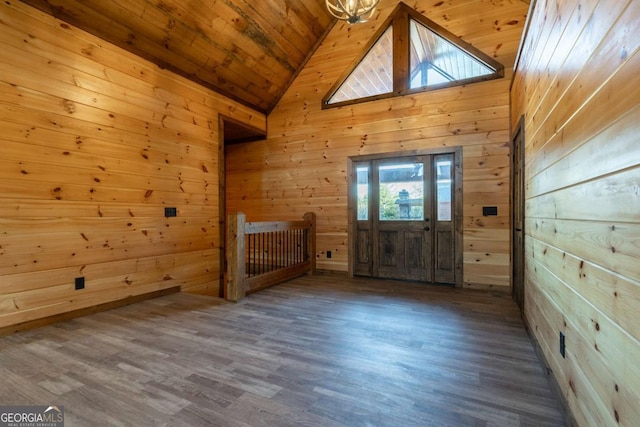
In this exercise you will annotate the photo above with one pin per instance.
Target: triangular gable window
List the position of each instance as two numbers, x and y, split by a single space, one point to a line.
373 75
433 59
436 60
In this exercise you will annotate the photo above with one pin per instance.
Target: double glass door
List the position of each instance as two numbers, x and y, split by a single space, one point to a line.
404 225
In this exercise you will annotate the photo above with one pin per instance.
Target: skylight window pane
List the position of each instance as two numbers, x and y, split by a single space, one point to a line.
373 75
435 60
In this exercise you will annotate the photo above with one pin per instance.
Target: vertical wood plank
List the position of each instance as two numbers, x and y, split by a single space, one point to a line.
401 53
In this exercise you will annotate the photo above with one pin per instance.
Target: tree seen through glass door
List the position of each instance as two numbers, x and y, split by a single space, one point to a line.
401 192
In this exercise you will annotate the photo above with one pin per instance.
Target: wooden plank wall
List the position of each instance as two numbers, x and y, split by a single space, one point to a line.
578 86
303 164
95 142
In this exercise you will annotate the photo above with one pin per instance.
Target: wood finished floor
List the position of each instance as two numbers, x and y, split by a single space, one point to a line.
317 351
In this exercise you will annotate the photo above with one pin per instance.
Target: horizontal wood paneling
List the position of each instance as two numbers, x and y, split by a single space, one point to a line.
303 164
95 144
577 85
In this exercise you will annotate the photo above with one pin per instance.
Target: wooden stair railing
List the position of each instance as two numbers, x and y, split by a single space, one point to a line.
263 254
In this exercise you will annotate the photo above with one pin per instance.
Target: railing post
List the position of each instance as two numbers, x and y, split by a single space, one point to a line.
310 244
236 262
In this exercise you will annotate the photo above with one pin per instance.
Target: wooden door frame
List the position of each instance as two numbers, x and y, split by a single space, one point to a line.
517 138
222 193
352 204
222 208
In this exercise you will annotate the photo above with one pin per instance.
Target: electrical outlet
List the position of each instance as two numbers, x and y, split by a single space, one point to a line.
79 282
562 348
489 210
169 212
328 254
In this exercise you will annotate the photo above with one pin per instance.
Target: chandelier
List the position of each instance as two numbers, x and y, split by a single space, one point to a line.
352 11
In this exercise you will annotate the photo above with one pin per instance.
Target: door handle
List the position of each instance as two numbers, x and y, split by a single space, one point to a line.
518 229
427 228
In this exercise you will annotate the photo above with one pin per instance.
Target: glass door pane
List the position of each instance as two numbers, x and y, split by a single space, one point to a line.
362 192
401 192
444 183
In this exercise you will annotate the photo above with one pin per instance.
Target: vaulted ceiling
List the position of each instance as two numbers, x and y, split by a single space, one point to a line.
248 50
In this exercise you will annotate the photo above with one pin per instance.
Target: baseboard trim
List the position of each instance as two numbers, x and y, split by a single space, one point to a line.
569 419
321 271
37 323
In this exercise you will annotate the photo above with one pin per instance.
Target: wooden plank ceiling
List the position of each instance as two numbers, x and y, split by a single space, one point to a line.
247 50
